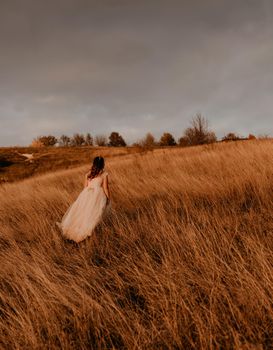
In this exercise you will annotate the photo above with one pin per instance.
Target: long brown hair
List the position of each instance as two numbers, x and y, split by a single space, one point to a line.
97 167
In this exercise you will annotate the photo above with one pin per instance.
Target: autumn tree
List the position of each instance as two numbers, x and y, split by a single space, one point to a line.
167 139
231 136
198 133
183 141
148 141
116 140
36 143
46 141
77 140
64 140
88 140
101 140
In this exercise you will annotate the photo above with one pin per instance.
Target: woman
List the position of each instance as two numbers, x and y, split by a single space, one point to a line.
86 212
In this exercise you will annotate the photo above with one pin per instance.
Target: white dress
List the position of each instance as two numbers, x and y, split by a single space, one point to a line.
86 212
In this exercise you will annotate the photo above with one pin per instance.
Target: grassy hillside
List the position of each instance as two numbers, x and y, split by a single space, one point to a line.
184 261
14 166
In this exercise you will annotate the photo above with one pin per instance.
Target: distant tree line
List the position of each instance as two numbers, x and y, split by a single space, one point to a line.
198 133
77 140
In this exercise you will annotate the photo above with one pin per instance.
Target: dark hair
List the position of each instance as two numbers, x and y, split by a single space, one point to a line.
97 167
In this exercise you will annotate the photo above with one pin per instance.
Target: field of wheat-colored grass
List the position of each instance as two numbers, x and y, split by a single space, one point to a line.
184 261
14 165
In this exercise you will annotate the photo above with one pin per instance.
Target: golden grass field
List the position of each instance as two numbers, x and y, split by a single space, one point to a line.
184 261
14 166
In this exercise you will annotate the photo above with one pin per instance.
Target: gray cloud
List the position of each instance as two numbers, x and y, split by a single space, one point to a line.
76 66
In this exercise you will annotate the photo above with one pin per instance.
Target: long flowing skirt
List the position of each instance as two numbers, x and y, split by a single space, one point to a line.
84 214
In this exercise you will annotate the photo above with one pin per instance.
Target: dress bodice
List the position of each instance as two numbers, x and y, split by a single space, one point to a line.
96 181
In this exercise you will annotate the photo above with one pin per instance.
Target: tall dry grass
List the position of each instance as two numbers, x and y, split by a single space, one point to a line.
14 166
184 261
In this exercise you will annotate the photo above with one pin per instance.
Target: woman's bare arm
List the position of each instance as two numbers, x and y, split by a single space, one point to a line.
106 187
86 180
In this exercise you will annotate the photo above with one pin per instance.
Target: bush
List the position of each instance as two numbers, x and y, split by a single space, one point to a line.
77 140
101 140
88 140
44 141
198 133
64 140
167 140
36 143
148 141
231 136
116 140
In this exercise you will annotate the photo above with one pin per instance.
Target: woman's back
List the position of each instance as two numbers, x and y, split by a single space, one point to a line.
96 181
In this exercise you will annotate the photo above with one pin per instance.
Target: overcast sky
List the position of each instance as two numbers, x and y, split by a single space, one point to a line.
98 66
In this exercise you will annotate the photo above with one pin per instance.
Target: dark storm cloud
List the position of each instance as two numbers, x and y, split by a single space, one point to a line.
134 66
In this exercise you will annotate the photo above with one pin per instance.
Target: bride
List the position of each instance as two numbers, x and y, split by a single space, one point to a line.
86 212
